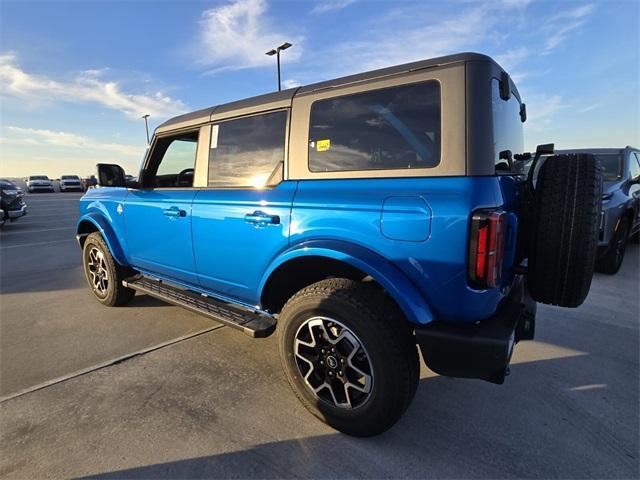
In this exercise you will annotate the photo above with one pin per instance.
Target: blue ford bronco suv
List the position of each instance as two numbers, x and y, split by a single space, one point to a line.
364 217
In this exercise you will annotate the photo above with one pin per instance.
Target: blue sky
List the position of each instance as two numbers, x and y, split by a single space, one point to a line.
75 77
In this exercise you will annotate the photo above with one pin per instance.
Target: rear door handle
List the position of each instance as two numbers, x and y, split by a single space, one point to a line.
174 212
260 218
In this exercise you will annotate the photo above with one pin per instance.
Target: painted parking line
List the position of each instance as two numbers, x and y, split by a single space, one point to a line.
45 218
37 244
37 231
47 200
108 363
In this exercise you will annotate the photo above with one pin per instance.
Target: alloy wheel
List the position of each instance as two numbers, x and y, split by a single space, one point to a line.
333 363
98 273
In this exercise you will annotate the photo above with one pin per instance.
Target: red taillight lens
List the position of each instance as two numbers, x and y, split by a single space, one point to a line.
486 248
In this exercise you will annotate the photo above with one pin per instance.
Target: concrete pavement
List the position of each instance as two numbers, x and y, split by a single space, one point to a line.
217 404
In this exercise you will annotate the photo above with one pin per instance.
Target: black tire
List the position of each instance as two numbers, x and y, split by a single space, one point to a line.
611 259
386 342
109 292
564 229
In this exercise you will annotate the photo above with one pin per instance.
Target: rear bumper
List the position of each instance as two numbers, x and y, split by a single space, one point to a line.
482 350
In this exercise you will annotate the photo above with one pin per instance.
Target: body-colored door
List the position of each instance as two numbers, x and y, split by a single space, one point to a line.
158 231
236 234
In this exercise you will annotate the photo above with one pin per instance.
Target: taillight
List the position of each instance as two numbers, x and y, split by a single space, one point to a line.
486 248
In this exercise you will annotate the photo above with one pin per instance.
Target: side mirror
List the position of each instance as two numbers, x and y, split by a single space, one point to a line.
111 175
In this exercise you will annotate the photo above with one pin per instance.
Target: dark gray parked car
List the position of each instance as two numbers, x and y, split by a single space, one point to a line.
620 218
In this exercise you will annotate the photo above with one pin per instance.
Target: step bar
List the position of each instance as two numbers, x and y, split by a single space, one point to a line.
252 323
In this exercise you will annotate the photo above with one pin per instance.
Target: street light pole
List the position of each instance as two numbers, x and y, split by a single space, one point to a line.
146 126
276 52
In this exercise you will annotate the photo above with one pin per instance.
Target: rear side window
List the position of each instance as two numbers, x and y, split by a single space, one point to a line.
246 152
390 128
508 131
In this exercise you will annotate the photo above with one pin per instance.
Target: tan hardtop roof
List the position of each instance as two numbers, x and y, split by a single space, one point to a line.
284 98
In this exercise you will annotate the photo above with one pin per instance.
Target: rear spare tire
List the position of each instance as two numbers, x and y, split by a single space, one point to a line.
564 229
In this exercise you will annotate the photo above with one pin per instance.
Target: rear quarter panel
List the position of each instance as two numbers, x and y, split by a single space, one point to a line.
435 262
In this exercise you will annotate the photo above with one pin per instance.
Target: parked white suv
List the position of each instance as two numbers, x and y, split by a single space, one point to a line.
39 183
70 182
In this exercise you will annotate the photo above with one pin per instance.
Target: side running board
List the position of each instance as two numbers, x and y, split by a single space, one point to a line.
254 324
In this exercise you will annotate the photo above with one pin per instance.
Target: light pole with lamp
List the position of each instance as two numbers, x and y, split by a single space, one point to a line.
146 126
276 52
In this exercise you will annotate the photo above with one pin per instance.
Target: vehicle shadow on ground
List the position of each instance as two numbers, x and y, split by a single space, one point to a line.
454 429
559 415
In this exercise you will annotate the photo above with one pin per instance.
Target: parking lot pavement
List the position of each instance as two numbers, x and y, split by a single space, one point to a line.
50 326
217 405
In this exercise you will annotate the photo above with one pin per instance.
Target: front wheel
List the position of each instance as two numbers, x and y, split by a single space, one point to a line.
348 356
103 274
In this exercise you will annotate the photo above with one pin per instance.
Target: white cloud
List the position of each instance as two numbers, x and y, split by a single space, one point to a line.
541 110
86 87
593 106
424 35
324 6
290 83
237 35
512 58
562 23
516 3
50 138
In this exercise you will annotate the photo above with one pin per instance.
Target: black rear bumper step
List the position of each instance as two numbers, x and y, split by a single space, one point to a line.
482 350
254 324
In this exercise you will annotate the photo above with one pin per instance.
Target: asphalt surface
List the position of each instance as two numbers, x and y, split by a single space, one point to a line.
50 325
217 404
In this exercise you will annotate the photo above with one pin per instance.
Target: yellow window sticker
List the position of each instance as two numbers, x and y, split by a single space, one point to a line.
323 145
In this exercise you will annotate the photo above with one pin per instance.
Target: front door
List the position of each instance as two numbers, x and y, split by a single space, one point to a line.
158 215
241 220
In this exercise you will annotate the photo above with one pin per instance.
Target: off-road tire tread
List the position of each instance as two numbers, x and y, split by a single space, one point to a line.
563 234
118 294
385 319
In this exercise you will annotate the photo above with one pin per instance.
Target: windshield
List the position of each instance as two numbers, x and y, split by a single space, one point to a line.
69 177
611 166
508 132
7 184
39 177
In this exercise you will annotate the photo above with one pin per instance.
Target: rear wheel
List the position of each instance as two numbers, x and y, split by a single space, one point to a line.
564 228
103 274
348 356
611 260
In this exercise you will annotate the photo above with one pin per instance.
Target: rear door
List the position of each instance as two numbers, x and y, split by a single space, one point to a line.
158 215
241 220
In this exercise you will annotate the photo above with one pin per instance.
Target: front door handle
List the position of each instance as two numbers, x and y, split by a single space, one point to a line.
260 218
175 212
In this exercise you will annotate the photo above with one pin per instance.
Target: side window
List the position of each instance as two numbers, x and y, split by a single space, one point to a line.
172 162
247 152
634 165
390 128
